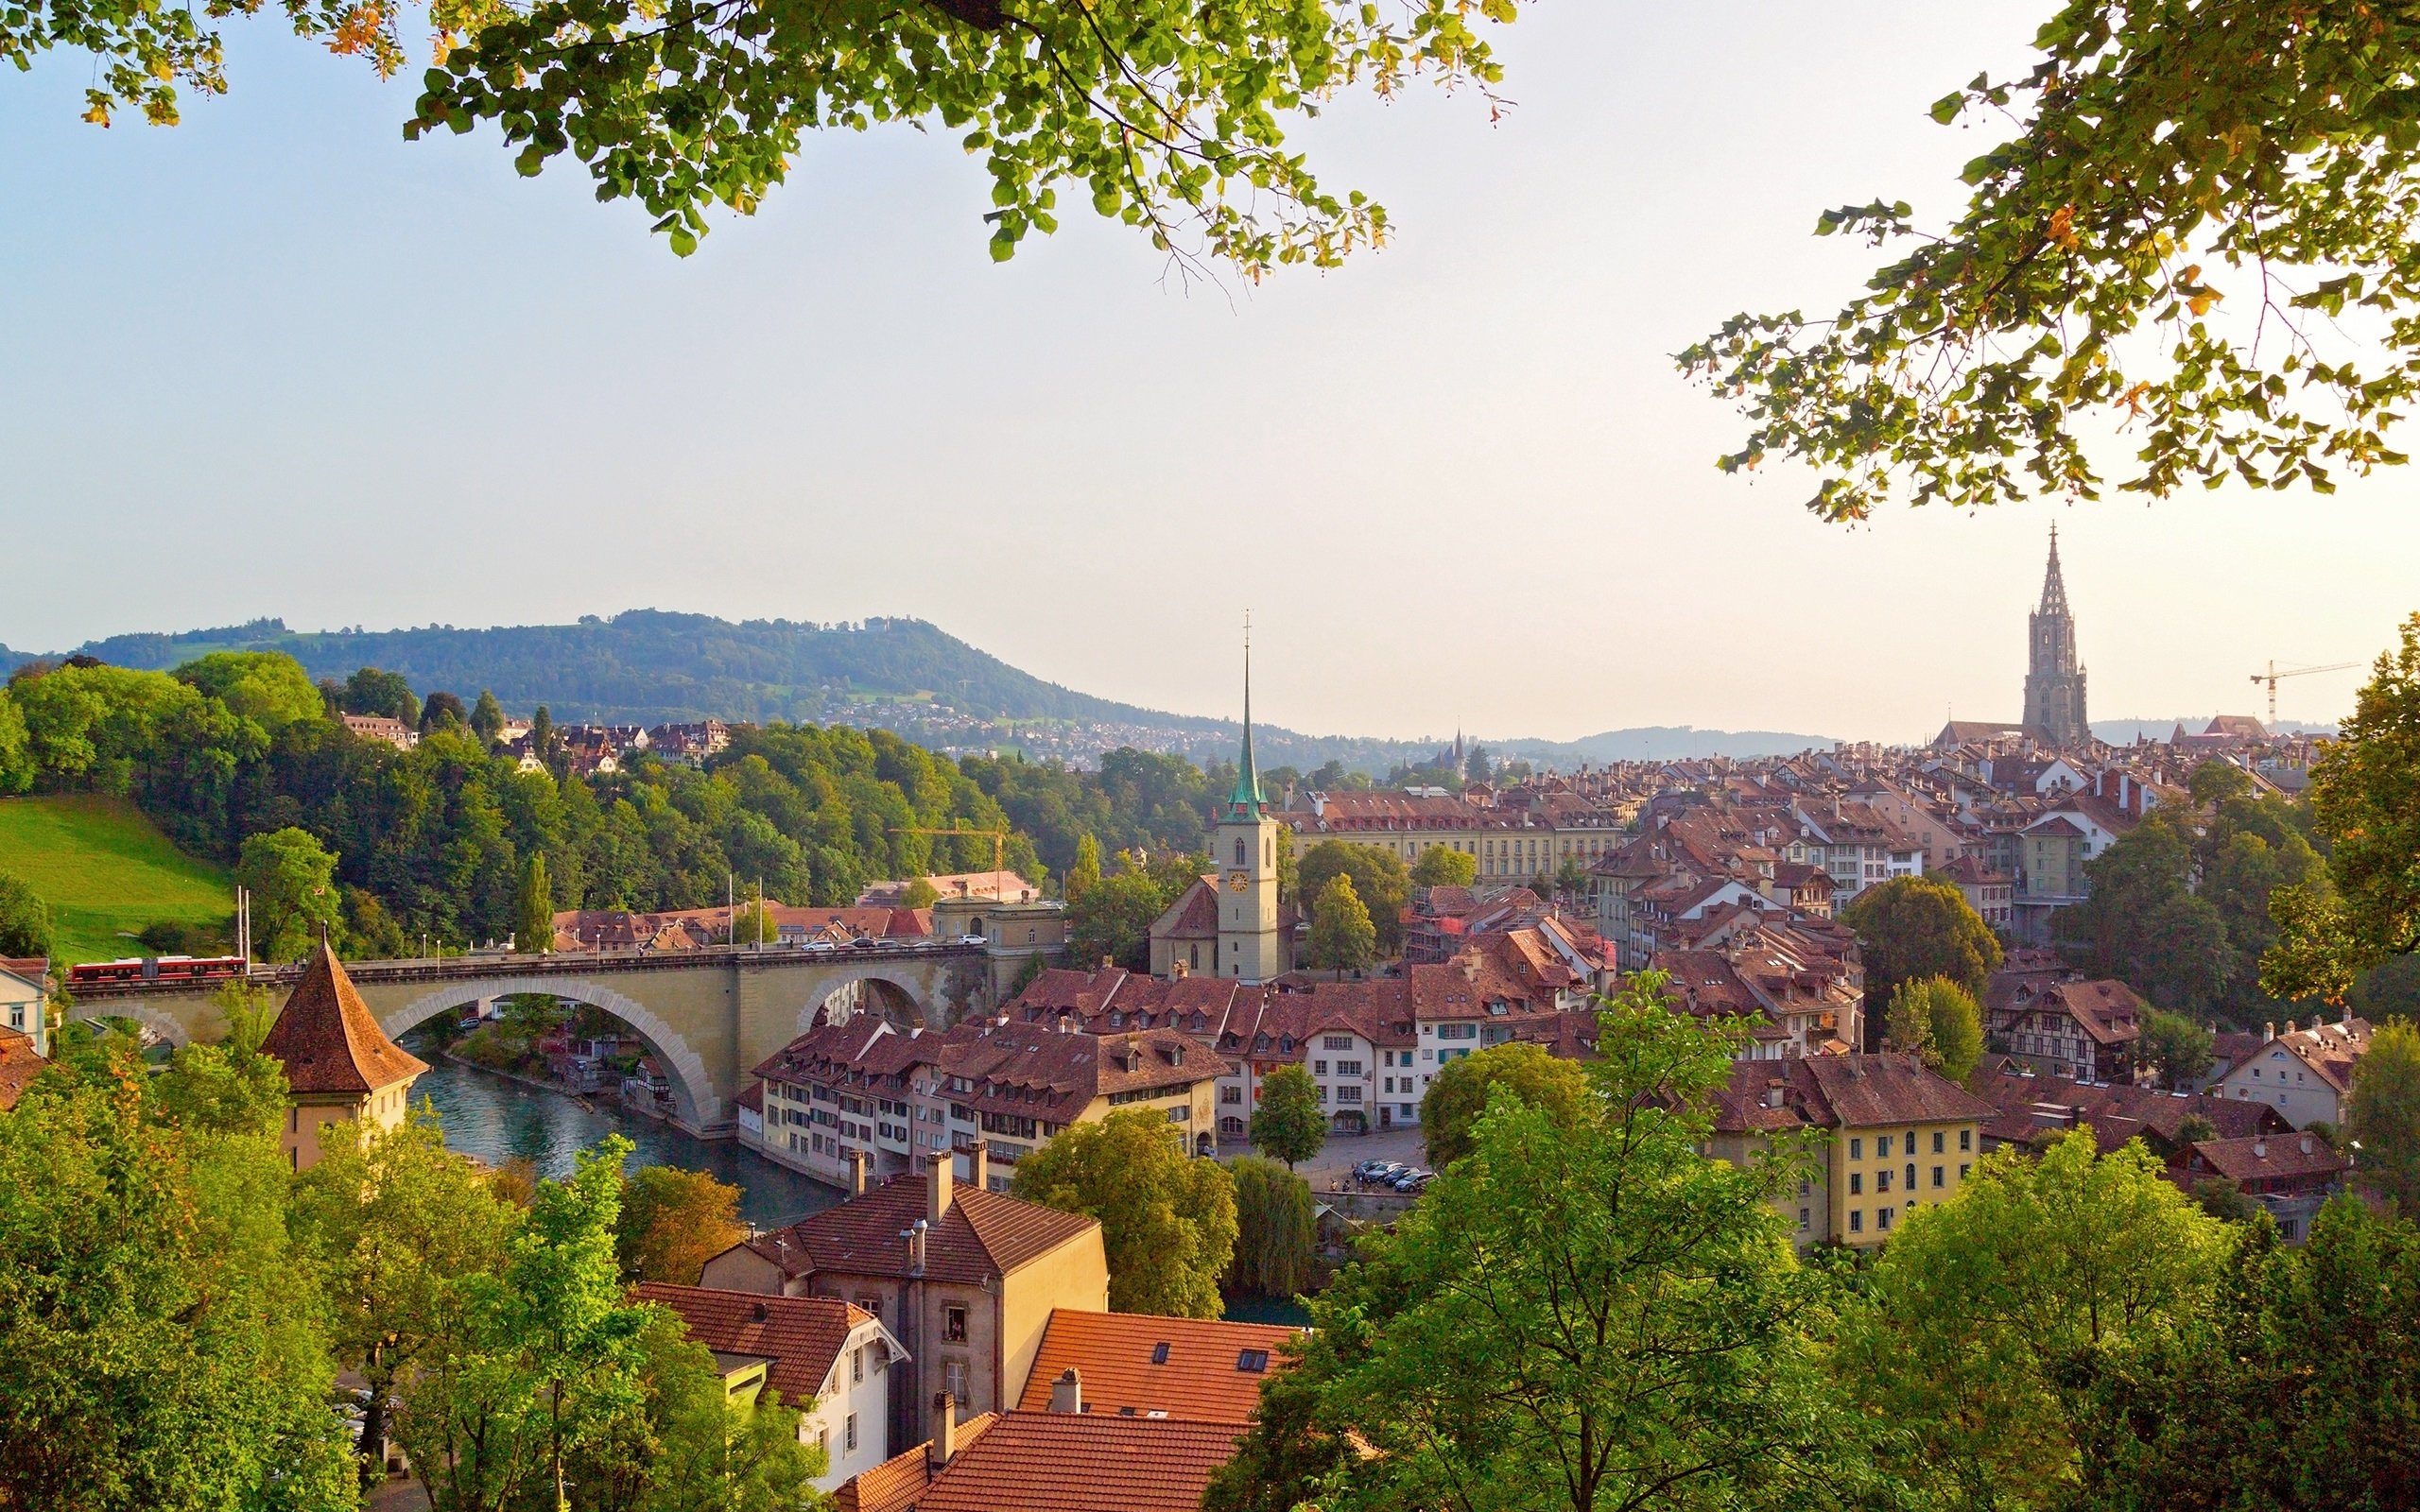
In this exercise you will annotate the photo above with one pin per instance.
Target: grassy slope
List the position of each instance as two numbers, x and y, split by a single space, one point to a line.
103 868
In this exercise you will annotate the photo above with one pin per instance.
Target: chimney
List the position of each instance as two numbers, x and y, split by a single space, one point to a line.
1067 1024
1067 1392
2289 1027
1107 963
937 1187
978 1166
1773 1094
858 1161
1176 971
944 1446
2305 1145
2260 1149
2268 1032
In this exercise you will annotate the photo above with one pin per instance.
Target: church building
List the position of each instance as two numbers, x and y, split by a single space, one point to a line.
2054 712
1229 923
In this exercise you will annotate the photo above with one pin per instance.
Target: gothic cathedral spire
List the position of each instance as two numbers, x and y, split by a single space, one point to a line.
2054 679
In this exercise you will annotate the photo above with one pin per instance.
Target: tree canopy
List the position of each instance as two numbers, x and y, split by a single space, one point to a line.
2365 800
1443 865
1289 1124
1380 881
1342 937
2202 220
1170 116
1915 927
1465 1087
1168 1217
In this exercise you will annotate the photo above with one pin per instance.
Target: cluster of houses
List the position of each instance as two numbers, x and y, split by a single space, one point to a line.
585 749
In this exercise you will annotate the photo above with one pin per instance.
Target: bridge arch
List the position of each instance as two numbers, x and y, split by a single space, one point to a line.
929 1010
693 1087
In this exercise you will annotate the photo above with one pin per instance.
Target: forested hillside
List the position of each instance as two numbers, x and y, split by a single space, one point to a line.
645 666
235 755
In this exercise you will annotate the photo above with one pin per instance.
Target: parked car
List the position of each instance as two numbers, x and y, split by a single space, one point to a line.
863 942
1372 1169
972 939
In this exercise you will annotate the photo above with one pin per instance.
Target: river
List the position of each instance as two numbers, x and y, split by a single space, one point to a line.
498 1120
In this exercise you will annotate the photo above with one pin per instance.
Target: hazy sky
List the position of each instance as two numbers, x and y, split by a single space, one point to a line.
278 361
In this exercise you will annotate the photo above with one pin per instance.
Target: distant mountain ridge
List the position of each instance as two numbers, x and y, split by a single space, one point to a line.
648 666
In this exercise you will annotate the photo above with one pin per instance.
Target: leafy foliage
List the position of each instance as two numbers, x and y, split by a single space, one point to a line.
2169 155
292 879
2365 800
2179 1048
1442 865
1168 1217
1289 1124
1914 927
152 1351
1465 1087
1937 1019
2179 906
25 918
1987 1314
1342 937
2384 1117
1275 1229
1380 883
2296 1388
1581 1315
672 1222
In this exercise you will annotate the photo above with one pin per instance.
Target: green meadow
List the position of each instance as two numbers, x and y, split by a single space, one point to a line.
104 868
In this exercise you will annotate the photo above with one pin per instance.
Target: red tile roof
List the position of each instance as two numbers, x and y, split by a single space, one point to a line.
328 1042
984 1234
894 1485
799 1336
2268 1157
1136 1363
1077 1462
1841 1091
19 1066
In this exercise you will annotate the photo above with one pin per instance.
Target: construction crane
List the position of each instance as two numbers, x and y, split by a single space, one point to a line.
1000 842
2273 675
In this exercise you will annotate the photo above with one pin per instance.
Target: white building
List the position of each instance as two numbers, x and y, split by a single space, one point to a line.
2306 1075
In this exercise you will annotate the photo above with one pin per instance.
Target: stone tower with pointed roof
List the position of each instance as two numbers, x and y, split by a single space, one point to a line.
340 1066
1243 845
2054 712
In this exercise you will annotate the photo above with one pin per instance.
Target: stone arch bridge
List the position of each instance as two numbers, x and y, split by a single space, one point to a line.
708 1016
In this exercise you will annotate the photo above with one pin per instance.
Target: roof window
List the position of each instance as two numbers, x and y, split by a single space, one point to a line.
1160 1352
1253 1359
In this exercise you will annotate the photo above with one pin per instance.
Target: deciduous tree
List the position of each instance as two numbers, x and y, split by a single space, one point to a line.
1987 1314
1275 1229
292 879
2159 158
1289 1124
673 1221
402 1232
1342 937
2365 798
25 918
1443 865
1084 874
1460 1096
1914 927
1168 1217
533 913
1935 1017
2176 1046
1379 880
2384 1118
1580 1317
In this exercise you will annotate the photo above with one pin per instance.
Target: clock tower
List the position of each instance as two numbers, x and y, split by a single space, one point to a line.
1243 846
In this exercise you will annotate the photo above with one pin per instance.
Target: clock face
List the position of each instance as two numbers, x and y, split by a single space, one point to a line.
1238 881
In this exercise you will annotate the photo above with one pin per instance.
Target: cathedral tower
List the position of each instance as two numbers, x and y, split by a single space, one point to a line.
2054 712
1244 849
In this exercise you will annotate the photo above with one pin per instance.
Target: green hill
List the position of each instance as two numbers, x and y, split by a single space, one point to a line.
103 868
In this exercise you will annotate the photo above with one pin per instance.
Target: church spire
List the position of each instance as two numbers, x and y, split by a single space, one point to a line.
1246 803
2054 587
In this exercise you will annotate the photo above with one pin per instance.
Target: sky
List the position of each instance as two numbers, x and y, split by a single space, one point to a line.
277 361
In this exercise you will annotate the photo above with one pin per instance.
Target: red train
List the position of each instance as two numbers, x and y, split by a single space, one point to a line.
156 969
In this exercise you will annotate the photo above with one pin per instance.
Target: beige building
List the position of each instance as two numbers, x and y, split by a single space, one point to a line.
1896 1135
965 1279
867 1091
340 1066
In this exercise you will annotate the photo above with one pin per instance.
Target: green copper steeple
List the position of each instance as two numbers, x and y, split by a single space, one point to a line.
1246 803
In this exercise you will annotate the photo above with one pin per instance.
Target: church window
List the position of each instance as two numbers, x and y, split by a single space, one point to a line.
1239 850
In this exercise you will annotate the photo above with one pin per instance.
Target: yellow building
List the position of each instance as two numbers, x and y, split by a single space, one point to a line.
340 1066
1897 1136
